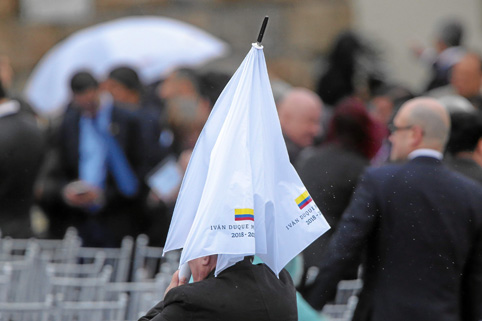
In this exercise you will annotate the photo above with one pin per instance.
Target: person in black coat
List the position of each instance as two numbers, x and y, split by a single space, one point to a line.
22 145
447 50
331 171
97 146
128 92
241 292
464 149
420 225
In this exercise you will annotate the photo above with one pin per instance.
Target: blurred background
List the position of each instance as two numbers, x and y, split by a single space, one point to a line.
148 73
298 35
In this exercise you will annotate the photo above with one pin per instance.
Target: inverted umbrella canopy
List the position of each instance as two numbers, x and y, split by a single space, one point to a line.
240 194
153 45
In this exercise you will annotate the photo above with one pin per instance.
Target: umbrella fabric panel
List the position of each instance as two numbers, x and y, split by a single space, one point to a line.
240 162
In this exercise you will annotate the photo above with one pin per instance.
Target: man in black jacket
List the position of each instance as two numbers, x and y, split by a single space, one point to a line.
464 149
239 293
22 145
420 225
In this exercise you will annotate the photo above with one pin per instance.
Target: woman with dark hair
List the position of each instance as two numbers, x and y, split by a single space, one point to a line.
330 171
352 65
337 81
354 129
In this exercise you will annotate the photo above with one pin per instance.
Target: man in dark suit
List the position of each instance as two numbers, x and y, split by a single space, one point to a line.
464 149
239 293
420 228
94 182
22 145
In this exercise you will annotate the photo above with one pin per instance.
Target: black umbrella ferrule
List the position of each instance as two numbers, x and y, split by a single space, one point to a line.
263 28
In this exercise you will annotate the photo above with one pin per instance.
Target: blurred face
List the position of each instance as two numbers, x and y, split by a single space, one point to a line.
187 117
174 86
382 109
466 77
303 125
121 93
401 137
88 101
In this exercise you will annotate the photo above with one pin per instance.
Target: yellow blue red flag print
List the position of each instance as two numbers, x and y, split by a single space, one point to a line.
244 214
240 194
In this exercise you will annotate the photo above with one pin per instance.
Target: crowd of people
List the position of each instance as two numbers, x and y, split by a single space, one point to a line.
396 173
90 167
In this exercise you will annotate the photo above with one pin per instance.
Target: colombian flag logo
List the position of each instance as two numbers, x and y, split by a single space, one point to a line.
303 200
244 214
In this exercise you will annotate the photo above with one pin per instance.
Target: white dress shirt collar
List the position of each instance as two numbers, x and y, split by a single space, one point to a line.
426 152
9 107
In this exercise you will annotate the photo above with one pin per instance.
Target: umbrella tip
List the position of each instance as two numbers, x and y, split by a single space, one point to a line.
261 32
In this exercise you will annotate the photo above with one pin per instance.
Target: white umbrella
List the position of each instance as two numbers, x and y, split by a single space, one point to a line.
153 45
240 194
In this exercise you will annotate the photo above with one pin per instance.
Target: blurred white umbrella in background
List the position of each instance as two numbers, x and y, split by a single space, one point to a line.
154 46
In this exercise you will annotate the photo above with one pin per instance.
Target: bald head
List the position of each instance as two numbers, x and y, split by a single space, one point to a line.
300 116
432 117
466 77
420 123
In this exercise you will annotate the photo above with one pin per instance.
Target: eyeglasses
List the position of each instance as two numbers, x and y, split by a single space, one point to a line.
392 128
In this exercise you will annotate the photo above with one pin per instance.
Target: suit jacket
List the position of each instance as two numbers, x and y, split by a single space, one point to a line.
118 217
22 145
330 173
465 166
239 293
124 127
421 226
